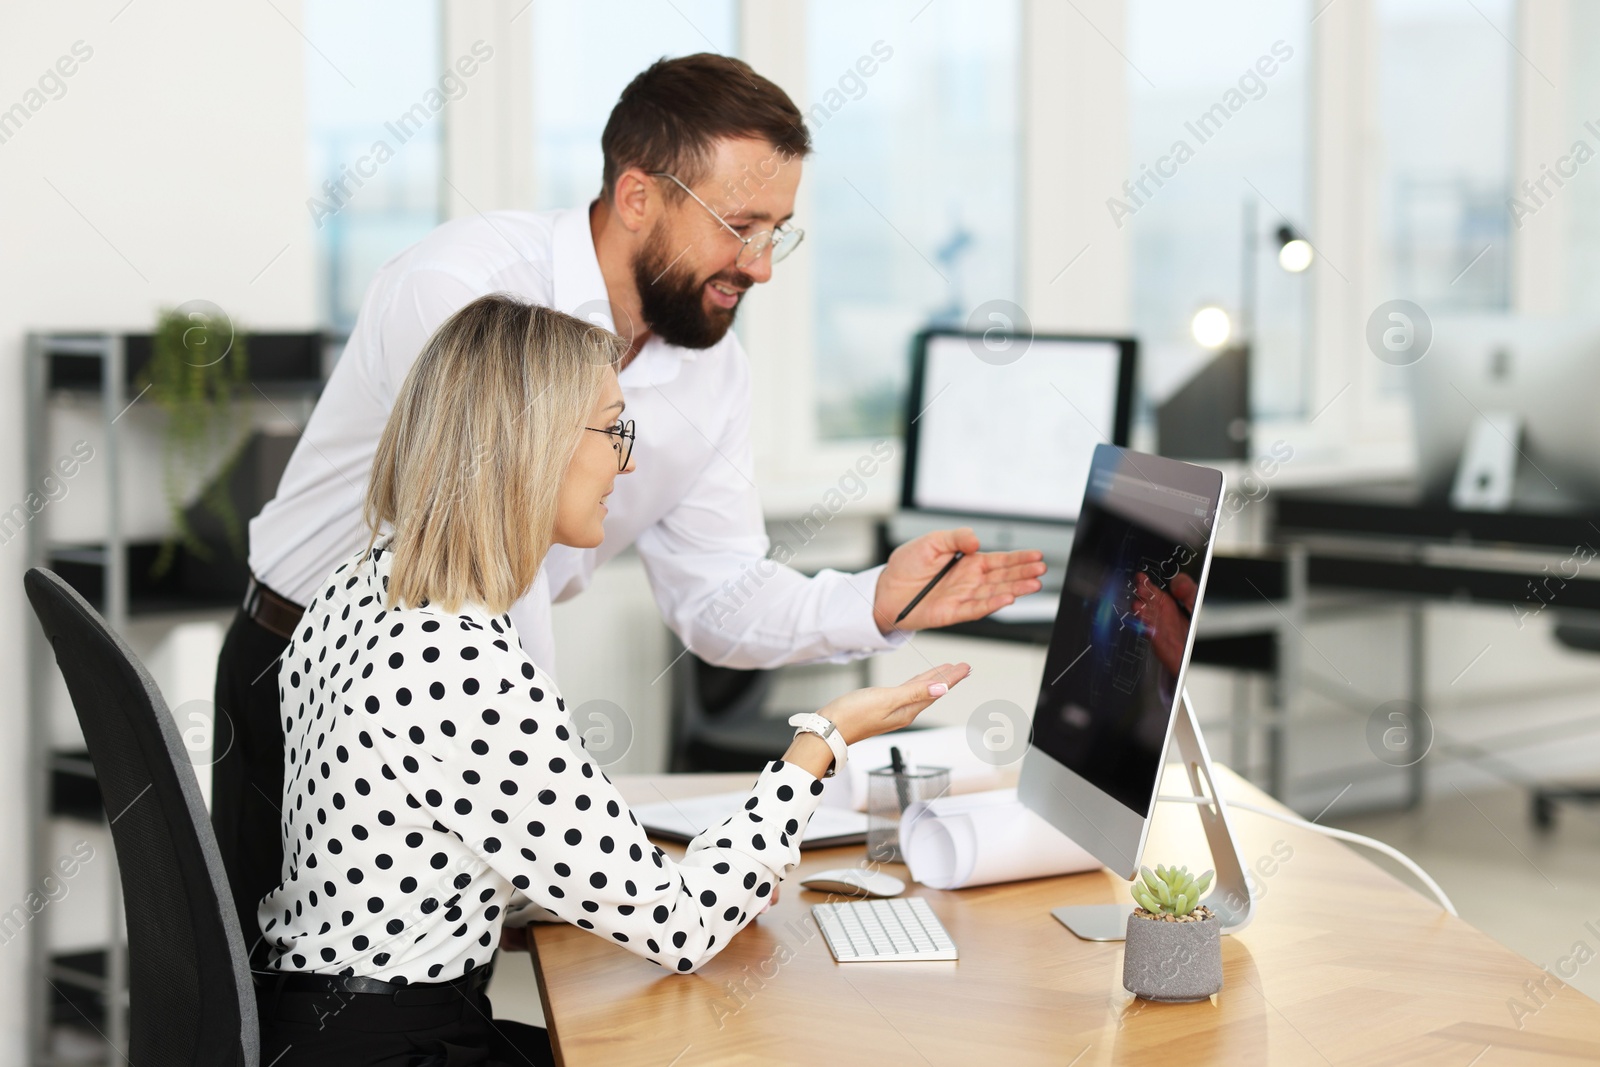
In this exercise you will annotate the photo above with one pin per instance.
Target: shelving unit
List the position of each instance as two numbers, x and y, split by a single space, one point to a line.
111 572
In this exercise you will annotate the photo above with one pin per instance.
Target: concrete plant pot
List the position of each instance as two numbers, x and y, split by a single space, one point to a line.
1173 961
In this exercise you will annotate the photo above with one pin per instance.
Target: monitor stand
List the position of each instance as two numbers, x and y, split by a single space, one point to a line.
1230 896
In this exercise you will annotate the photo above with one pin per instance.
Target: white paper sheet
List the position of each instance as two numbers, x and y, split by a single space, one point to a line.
984 838
688 817
966 458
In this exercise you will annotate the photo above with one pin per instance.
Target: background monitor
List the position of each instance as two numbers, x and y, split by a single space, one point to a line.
1544 370
1123 633
1004 427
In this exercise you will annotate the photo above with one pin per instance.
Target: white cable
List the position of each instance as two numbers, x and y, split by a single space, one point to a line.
1342 835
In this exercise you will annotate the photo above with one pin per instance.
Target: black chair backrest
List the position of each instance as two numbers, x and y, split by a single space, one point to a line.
702 694
723 693
191 1000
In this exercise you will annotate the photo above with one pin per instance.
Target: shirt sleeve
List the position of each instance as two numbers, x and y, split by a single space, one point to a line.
726 589
512 781
422 299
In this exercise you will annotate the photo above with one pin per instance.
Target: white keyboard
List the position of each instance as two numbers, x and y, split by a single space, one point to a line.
900 928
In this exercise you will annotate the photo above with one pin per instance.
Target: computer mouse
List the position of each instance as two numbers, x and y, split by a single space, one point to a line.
854 881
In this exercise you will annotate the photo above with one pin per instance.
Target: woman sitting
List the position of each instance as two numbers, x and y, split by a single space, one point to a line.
433 781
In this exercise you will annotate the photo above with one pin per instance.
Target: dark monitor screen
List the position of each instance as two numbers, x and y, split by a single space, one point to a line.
1122 632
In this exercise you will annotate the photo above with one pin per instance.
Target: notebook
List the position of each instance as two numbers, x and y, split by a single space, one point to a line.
685 819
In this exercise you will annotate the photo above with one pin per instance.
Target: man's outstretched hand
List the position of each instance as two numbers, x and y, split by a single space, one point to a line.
981 583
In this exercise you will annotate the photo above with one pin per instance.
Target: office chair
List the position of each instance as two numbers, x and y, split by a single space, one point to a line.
191 997
1579 631
717 720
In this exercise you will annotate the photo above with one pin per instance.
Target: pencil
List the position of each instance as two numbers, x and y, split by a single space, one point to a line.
929 587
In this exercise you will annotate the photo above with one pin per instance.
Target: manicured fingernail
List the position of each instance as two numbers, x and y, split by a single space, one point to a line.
938 689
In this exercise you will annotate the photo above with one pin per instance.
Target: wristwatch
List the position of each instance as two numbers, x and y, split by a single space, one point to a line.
809 722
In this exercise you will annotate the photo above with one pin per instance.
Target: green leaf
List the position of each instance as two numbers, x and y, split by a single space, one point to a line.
199 396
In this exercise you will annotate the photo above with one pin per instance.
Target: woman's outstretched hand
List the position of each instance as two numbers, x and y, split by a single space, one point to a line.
869 712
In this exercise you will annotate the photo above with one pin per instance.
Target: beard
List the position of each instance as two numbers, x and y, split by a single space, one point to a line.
673 299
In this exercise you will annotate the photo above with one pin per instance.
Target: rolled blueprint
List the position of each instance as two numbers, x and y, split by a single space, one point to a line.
983 838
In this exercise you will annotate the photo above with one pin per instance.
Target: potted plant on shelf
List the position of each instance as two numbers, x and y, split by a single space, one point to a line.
1174 943
197 371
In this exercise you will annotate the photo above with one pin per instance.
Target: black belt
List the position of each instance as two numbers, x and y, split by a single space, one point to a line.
417 993
275 612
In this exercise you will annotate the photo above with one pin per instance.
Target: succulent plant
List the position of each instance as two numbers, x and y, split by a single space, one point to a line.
1169 890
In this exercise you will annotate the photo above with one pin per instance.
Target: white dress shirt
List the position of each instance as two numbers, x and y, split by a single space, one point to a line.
434 781
691 507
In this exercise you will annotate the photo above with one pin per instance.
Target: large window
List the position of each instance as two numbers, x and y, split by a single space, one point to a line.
1218 113
913 108
1583 107
1444 107
584 54
375 137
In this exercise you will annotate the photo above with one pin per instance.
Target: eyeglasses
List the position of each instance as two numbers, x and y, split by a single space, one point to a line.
781 239
622 440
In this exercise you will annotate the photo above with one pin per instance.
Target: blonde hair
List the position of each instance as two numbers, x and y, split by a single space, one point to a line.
470 463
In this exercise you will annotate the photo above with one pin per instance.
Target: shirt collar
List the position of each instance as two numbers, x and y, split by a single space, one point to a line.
378 566
580 289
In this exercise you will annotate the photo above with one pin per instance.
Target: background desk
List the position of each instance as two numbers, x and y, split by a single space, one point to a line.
1253 613
1368 542
1388 545
1326 555
1343 964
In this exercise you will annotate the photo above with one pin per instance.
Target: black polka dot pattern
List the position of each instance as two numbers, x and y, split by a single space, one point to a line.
428 800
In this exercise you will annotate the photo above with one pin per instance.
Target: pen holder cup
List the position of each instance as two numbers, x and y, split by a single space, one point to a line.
889 794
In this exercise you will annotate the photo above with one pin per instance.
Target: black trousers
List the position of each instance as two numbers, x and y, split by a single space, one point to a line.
368 1030
247 779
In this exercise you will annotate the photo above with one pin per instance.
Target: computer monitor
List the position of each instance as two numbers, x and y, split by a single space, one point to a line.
1542 371
1000 428
1113 676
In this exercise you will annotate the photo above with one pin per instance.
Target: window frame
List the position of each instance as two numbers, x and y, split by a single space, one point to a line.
1075 271
795 463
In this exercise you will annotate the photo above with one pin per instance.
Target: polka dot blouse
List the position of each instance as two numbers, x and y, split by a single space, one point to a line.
433 781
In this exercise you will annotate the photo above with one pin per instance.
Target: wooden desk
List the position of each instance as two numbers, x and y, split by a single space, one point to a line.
1343 964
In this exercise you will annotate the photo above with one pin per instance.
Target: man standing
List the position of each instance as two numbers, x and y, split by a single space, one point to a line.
702 161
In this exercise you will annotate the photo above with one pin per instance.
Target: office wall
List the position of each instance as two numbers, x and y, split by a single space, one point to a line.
167 167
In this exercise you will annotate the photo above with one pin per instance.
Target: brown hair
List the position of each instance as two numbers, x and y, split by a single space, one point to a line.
671 114
469 465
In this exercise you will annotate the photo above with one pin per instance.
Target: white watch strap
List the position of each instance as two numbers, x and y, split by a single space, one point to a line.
811 723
